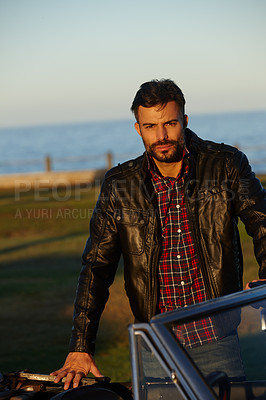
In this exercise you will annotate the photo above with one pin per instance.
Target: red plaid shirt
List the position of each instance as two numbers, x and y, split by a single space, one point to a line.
180 277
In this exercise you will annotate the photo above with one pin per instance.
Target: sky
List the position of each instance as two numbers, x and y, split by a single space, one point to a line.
66 61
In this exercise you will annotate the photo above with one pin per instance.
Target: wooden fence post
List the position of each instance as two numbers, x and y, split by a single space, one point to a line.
109 160
48 164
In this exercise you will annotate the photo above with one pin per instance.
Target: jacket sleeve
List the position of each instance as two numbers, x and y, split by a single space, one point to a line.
100 260
250 205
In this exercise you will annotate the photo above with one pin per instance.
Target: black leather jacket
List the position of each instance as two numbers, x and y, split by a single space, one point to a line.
219 188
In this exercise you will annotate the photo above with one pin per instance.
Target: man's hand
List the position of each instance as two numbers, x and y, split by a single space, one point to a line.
77 365
254 280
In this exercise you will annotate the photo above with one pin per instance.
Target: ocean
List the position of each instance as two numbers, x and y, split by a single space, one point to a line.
82 146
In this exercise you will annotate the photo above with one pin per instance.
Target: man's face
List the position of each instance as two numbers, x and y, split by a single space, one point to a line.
162 131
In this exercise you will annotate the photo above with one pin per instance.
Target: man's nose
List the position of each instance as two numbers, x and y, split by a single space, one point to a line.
161 132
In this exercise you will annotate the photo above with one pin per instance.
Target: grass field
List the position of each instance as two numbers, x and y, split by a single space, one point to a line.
43 233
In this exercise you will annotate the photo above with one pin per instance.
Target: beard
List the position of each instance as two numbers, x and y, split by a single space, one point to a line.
174 154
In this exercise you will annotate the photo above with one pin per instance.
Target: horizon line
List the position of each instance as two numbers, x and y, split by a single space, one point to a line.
117 119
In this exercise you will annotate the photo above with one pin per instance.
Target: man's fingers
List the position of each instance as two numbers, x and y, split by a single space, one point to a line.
59 375
95 371
57 372
69 378
70 375
78 377
77 365
257 282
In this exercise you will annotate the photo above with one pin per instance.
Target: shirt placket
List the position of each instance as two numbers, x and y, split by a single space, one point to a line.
181 270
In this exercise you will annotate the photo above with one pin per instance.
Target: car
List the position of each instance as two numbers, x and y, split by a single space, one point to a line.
184 378
170 371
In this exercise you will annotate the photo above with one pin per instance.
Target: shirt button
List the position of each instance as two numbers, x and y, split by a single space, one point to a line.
178 256
177 206
179 230
182 283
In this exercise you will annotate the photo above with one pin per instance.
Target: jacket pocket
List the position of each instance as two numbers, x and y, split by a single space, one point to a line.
215 193
132 228
214 207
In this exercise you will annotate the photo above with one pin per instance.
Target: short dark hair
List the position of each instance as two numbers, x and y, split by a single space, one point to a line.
158 92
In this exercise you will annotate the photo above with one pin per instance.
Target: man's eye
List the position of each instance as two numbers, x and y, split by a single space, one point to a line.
149 126
171 123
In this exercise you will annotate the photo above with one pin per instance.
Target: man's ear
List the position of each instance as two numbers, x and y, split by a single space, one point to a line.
185 121
137 128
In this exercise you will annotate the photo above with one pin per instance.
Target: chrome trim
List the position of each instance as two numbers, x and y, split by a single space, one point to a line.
183 383
181 361
238 299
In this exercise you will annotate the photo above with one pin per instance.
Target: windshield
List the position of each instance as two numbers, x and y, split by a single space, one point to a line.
232 341
211 350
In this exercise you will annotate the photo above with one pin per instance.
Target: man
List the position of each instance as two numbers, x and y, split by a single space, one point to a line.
173 214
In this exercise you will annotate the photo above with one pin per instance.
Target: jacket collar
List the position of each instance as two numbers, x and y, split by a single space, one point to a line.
192 141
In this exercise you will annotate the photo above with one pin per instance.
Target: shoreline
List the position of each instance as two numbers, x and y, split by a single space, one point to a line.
50 179
32 180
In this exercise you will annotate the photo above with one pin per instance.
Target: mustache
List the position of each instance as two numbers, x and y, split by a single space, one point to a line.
164 142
